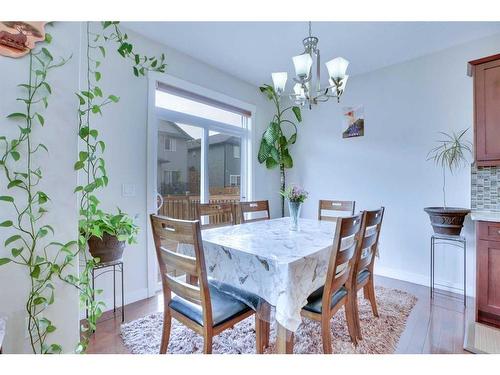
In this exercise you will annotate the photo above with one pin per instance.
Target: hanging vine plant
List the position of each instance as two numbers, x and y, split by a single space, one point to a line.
91 103
43 260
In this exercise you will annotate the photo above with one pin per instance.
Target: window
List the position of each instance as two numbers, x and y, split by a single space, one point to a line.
235 180
170 144
236 151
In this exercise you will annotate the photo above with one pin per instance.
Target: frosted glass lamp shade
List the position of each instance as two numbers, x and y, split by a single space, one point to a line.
279 81
297 89
302 64
337 67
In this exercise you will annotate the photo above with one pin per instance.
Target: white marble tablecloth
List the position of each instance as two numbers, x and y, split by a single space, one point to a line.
266 258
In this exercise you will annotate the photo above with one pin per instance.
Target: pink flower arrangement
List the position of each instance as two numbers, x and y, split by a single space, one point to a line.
295 194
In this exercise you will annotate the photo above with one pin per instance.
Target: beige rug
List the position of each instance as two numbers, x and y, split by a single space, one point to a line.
380 335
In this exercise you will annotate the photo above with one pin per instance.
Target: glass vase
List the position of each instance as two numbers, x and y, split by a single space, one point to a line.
294 209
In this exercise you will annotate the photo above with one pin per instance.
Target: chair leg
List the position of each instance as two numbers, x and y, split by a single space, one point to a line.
356 317
260 331
207 344
369 293
165 337
351 320
326 335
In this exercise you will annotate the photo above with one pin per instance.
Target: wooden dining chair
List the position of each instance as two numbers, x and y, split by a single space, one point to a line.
258 207
332 207
202 308
323 304
216 214
365 261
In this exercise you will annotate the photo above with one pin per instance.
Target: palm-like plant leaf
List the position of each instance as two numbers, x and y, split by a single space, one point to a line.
452 151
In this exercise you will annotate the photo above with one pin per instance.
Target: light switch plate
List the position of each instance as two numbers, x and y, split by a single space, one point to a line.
128 190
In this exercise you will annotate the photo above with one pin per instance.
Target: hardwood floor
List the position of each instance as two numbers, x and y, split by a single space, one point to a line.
436 326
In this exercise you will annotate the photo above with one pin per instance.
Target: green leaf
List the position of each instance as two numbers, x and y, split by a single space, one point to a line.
97 76
298 114
93 133
271 163
6 224
40 118
78 165
47 53
81 99
48 38
114 98
103 51
264 151
16 252
12 239
136 72
96 109
102 145
272 133
6 198
97 91
83 155
39 300
14 183
17 115
88 94
292 139
15 155
4 261
47 87
35 272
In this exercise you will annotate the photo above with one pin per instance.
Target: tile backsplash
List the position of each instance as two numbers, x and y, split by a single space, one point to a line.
485 189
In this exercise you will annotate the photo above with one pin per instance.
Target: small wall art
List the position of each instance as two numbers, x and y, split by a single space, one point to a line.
354 121
17 38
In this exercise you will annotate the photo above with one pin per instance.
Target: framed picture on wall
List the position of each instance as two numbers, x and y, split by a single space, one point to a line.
354 122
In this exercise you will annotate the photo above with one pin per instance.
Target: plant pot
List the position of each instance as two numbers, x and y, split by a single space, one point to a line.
447 220
107 249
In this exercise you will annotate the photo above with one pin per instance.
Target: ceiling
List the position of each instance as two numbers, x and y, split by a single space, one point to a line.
252 50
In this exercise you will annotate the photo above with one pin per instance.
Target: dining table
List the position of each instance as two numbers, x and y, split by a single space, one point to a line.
267 259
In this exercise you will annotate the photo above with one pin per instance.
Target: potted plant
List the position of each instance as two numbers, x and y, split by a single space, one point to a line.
295 196
108 234
451 153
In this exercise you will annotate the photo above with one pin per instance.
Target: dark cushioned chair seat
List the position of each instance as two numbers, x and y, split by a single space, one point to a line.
314 300
363 275
224 307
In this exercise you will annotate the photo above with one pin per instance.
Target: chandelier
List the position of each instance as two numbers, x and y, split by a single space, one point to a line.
306 89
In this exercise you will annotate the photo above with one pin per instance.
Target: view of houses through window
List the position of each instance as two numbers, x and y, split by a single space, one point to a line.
181 149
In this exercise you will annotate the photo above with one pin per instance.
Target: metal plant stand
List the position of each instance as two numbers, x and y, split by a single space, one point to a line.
457 241
114 267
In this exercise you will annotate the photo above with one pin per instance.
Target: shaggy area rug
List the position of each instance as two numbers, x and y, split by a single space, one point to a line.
380 335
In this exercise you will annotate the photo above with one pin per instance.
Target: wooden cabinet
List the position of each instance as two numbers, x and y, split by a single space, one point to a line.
486 73
488 273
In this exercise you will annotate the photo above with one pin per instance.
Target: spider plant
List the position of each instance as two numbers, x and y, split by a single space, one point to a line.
451 153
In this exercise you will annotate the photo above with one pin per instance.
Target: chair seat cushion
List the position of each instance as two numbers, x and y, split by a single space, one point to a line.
363 275
314 300
224 307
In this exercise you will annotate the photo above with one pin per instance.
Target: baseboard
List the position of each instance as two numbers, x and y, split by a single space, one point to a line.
421 280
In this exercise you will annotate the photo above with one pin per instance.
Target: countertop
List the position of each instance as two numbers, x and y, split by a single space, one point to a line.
483 215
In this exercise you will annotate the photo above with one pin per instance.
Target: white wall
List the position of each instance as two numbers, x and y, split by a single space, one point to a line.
405 106
59 134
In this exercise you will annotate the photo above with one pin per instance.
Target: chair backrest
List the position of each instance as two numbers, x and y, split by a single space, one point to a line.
334 206
216 214
168 235
261 207
341 264
370 233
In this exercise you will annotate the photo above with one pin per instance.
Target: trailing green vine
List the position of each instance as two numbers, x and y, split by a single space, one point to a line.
43 260
91 102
